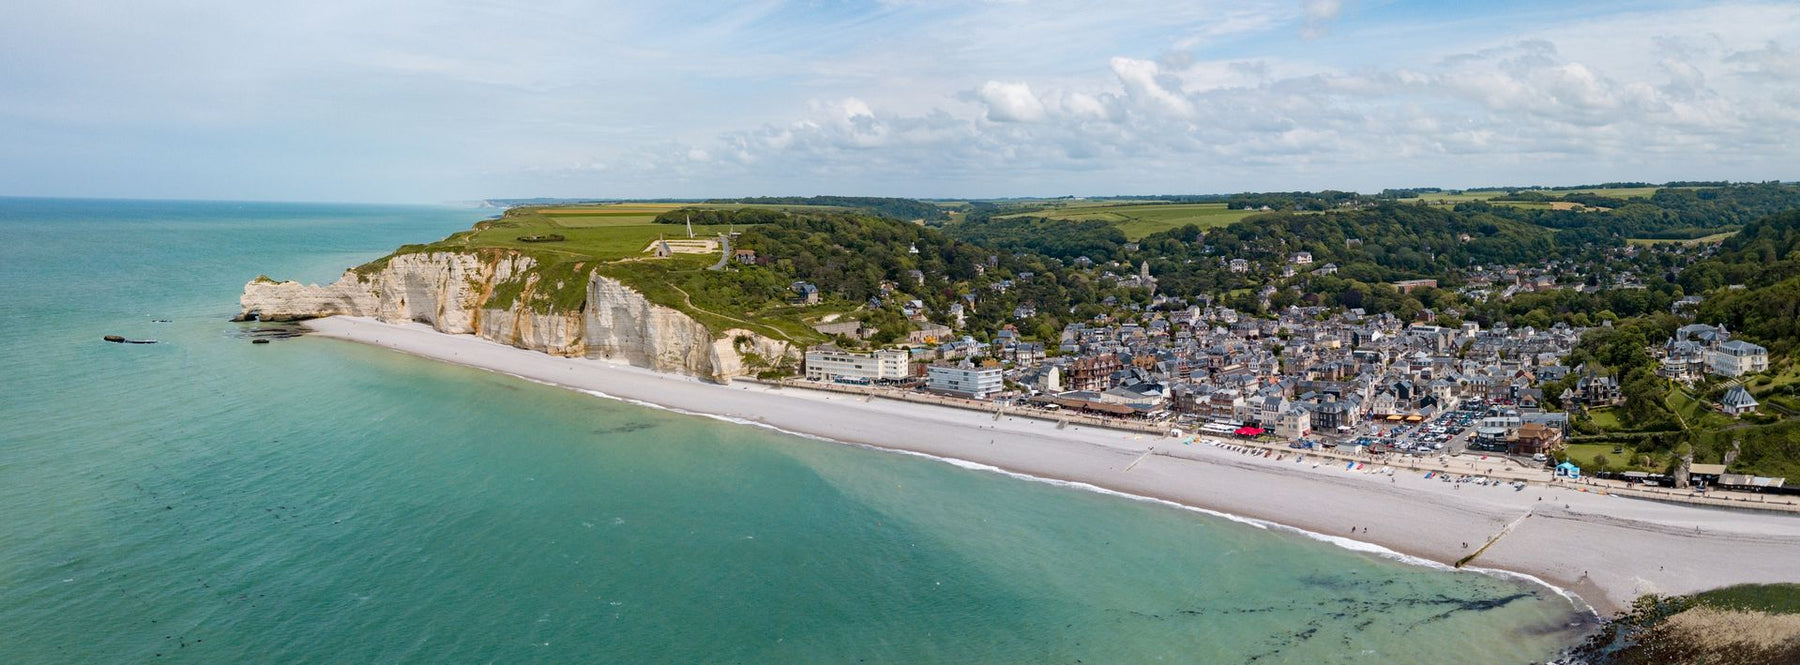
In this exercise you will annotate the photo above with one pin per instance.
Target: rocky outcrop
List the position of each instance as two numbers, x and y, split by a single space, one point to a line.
454 292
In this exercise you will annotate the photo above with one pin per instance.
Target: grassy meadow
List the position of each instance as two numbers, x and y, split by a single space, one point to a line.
1141 219
1716 237
611 240
1464 196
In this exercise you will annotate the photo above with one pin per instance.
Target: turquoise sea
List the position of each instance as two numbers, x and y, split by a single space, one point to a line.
208 500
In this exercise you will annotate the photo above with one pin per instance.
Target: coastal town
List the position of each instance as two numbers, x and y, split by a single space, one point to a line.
1498 405
1310 378
1265 332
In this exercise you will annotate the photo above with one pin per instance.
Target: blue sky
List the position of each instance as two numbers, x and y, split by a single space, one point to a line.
428 101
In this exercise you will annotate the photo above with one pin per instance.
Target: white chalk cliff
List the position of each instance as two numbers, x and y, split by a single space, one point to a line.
452 292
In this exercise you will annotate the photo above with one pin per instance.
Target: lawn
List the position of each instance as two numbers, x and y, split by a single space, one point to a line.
1780 378
1583 455
1697 413
1141 219
1606 420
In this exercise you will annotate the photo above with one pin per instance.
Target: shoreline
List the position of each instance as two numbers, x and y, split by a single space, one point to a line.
1552 535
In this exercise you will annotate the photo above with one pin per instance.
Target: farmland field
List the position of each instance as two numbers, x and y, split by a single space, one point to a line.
1464 196
1716 237
588 235
1141 219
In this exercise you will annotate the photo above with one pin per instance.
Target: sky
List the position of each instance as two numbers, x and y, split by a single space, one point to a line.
435 101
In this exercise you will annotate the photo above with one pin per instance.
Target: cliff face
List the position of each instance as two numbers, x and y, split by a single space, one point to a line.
454 293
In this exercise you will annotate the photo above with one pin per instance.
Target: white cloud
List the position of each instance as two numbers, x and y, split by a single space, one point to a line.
1011 102
1145 84
422 99
1530 108
1772 61
1319 15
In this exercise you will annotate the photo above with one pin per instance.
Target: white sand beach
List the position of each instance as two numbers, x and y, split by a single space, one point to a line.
1604 548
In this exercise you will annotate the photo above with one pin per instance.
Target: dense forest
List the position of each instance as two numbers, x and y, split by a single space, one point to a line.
1061 239
1763 260
1668 213
715 216
1316 201
850 255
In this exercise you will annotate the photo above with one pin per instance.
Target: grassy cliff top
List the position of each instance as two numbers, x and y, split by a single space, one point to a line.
571 243
1747 623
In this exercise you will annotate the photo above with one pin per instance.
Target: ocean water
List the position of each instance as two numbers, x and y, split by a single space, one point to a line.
208 500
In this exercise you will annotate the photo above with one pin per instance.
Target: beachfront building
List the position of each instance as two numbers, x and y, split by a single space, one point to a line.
1093 372
1294 424
1737 358
830 363
1534 439
963 380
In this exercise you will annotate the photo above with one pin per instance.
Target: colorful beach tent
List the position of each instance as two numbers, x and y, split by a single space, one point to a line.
1568 470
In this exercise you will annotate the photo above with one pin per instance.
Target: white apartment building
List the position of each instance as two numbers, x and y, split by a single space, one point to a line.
971 382
829 363
1737 358
1294 424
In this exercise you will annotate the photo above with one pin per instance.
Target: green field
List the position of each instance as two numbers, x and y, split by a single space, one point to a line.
1141 219
589 236
1772 598
611 240
1616 192
1485 194
1716 237
1779 377
1460 197
1584 454
1605 419
1696 413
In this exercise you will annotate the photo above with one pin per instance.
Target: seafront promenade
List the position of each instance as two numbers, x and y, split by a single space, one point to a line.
1495 467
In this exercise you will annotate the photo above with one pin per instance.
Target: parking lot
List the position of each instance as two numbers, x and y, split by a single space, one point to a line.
1446 433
